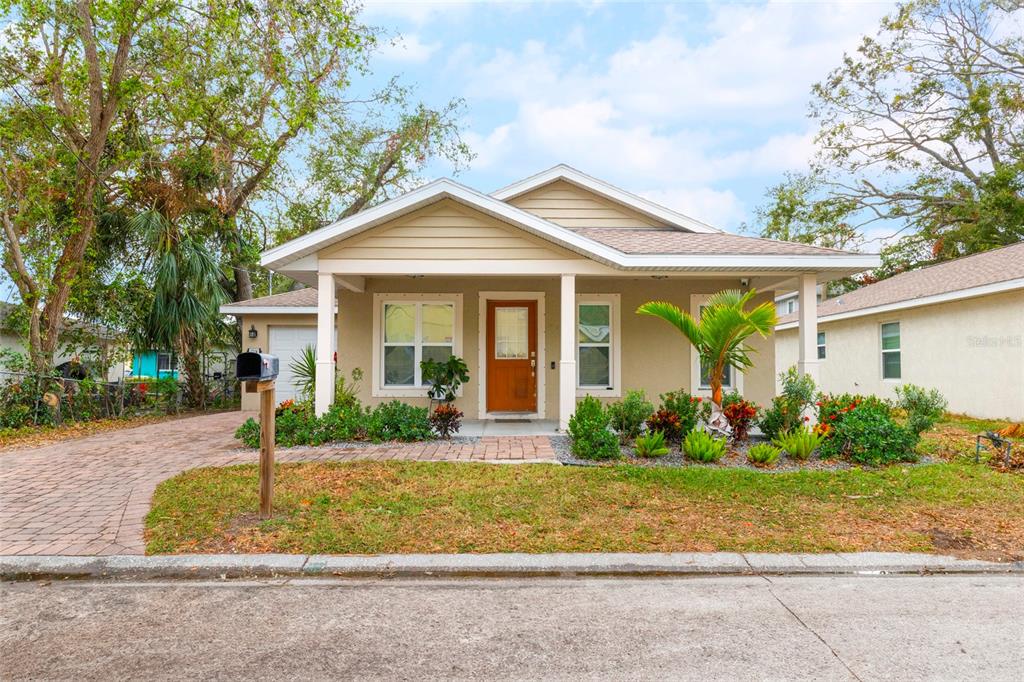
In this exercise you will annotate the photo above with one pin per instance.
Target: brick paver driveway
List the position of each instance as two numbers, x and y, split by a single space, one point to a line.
90 496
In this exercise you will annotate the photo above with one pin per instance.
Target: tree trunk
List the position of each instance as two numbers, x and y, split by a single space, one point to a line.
243 283
195 387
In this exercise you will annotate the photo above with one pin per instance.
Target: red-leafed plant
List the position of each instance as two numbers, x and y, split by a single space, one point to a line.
740 414
446 420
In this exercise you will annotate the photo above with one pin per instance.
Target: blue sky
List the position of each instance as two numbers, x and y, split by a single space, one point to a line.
700 106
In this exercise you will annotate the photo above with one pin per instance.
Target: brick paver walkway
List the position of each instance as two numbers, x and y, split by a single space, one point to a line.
90 496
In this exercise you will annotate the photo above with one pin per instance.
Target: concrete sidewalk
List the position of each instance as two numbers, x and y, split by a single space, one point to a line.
188 566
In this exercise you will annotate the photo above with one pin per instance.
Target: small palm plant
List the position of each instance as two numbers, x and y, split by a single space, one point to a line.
304 371
721 333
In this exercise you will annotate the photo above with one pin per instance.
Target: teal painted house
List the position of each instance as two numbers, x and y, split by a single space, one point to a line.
151 364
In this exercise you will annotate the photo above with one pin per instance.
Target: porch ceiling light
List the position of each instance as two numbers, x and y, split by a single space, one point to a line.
659 276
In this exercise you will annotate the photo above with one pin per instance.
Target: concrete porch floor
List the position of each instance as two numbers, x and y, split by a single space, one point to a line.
490 427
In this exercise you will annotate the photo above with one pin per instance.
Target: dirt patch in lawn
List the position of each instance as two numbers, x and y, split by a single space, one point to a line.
397 507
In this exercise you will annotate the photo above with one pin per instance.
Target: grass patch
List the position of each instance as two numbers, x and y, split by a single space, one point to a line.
385 507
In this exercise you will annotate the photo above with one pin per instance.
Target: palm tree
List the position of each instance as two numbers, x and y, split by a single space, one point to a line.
720 334
187 294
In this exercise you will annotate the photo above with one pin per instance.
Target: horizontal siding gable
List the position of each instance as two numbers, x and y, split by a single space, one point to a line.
570 206
446 231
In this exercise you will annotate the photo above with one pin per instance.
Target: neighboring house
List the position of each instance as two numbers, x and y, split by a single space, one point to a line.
154 364
91 344
789 302
535 286
956 326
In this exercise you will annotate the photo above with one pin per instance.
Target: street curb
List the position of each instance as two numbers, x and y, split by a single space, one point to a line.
225 566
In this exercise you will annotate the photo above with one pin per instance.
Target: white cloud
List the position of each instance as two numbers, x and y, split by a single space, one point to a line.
680 116
409 48
721 208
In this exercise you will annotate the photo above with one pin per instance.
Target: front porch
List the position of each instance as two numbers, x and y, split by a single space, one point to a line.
530 356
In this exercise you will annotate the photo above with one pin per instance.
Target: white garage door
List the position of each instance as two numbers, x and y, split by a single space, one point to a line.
287 344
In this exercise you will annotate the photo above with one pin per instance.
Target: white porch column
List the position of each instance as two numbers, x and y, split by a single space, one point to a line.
808 326
567 359
325 330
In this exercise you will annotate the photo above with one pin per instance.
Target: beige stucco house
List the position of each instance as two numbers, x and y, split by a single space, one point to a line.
535 286
957 327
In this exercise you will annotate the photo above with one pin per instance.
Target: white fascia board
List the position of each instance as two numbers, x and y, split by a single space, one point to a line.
602 188
268 310
973 292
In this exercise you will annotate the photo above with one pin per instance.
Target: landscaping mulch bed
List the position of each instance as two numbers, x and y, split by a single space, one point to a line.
735 458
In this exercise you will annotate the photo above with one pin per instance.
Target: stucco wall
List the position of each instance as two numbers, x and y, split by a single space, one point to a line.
655 356
970 350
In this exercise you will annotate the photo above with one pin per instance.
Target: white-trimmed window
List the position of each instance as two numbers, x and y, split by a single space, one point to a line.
821 345
731 378
597 345
166 363
891 360
410 328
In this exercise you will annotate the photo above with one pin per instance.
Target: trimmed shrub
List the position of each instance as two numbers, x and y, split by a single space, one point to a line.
399 421
924 407
651 444
627 416
692 410
589 435
786 410
347 421
763 454
869 436
800 442
249 433
701 446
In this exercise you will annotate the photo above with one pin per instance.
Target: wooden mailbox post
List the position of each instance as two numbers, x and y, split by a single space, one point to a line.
259 372
268 415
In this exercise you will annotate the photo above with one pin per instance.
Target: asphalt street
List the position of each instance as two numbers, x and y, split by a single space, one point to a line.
735 628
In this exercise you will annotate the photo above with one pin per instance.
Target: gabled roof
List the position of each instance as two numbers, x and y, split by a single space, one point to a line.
603 189
980 274
689 252
298 301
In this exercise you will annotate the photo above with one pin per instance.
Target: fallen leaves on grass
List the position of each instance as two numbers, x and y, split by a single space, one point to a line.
34 436
385 507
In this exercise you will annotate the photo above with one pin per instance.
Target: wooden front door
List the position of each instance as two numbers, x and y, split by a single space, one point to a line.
512 356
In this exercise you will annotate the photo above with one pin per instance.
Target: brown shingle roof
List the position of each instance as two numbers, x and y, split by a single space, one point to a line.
300 298
988 267
677 242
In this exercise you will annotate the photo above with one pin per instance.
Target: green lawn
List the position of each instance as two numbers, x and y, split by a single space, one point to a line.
384 507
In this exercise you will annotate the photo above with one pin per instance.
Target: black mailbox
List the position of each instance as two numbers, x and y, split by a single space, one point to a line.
252 366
